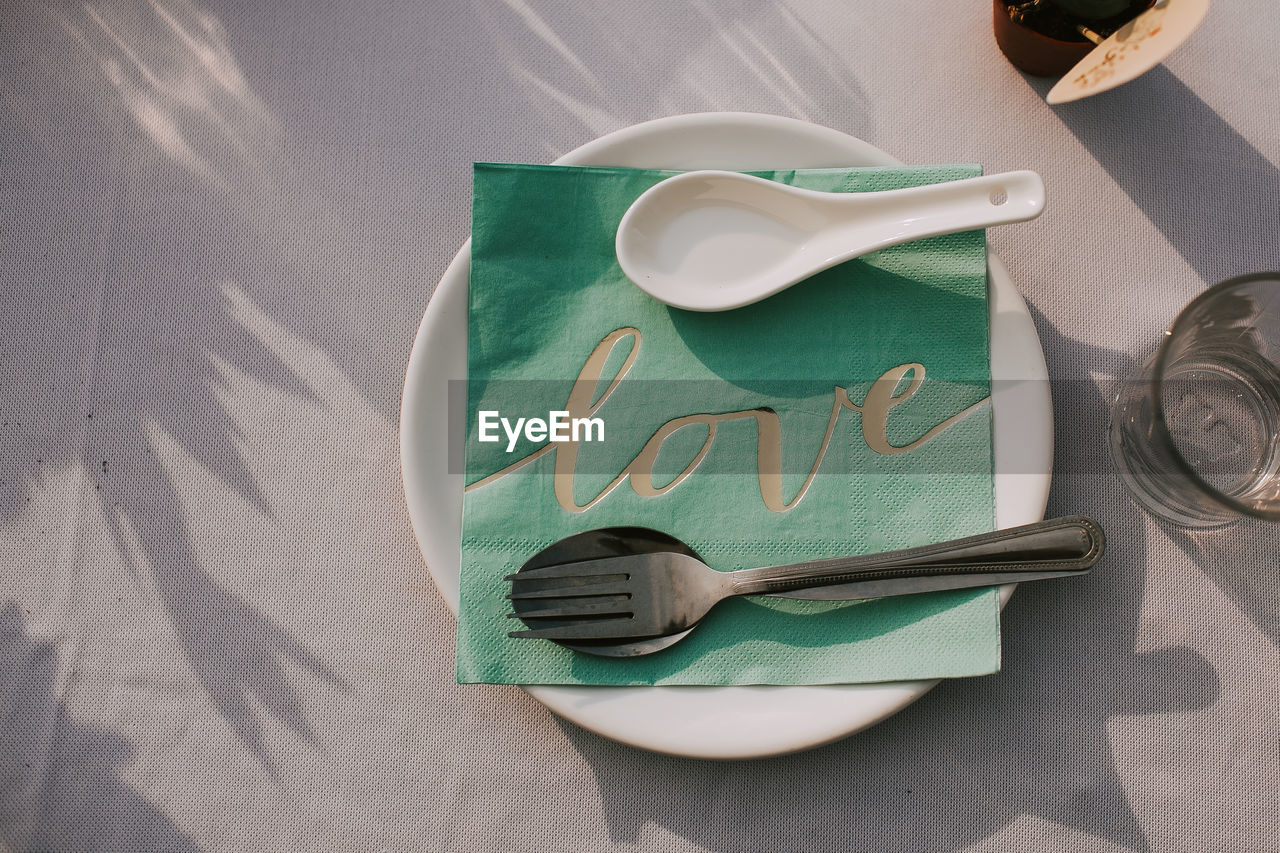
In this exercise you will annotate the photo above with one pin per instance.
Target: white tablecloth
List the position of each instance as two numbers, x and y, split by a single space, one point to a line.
219 226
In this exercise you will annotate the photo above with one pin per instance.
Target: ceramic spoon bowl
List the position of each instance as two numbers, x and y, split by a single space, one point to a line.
713 240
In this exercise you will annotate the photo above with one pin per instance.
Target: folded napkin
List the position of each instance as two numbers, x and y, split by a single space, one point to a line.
846 415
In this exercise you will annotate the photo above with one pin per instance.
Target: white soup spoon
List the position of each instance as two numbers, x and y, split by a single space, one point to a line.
712 240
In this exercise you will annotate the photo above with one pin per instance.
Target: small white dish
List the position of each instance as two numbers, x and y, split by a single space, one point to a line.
714 722
713 240
1132 50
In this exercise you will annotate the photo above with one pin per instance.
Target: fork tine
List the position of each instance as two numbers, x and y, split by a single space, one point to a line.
573 591
582 568
612 605
594 629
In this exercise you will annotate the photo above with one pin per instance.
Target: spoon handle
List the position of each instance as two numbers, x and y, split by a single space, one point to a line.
892 217
1053 548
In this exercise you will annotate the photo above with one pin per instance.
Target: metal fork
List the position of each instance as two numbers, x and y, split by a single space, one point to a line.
646 595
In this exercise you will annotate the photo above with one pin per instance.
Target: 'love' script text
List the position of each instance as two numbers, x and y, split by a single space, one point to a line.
879 401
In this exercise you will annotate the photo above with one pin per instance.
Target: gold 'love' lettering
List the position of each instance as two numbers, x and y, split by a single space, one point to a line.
874 410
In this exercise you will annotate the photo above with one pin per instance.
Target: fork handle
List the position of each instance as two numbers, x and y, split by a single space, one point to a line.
1070 544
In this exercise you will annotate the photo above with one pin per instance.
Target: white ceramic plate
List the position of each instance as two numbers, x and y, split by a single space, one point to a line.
715 722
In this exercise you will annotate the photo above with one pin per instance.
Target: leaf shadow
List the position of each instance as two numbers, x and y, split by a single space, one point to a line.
60 780
117 332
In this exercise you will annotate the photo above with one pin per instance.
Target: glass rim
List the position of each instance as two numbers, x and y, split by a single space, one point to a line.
1161 429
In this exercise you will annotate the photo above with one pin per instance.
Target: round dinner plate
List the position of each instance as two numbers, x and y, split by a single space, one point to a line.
715 722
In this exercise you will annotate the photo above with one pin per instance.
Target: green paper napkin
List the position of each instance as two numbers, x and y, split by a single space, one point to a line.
848 414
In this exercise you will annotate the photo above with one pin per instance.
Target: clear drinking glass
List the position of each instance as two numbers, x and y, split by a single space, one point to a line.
1195 432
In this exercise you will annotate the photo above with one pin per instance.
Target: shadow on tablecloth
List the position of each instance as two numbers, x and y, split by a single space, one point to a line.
1214 196
46 756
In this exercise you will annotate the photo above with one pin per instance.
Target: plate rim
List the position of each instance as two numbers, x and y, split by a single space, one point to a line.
582 704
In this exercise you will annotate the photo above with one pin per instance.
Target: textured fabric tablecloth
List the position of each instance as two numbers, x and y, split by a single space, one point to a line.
219 226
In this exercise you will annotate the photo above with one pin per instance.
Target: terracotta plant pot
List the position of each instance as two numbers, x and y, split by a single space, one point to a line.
1032 52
